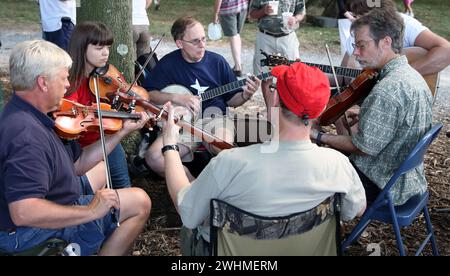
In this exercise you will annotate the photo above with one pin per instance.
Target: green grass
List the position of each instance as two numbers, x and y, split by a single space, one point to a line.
19 14
25 14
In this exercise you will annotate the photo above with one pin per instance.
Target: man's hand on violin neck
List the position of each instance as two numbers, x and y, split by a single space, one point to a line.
132 125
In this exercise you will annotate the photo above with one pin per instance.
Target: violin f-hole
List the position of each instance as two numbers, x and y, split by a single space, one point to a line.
86 122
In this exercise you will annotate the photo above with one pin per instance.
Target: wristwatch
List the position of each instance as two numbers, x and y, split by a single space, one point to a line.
319 138
170 147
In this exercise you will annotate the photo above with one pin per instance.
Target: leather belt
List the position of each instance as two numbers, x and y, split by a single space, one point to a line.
272 34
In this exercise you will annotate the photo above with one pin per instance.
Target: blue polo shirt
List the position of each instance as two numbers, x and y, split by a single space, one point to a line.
211 72
34 163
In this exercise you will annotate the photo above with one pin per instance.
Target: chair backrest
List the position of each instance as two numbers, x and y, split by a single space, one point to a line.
413 160
235 232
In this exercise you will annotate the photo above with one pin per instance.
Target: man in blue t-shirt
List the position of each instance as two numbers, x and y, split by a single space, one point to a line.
198 71
41 196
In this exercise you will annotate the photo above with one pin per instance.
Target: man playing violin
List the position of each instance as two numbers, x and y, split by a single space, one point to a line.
293 177
394 116
40 191
197 69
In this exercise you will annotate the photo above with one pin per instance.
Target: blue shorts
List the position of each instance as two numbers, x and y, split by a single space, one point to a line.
89 236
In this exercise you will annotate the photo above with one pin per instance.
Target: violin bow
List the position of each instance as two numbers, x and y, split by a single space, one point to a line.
347 125
145 63
114 212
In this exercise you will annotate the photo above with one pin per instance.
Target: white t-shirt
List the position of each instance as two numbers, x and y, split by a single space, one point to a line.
412 30
53 10
140 13
295 178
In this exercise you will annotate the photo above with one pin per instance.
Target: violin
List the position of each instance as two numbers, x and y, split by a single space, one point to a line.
73 120
112 81
358 89
162 114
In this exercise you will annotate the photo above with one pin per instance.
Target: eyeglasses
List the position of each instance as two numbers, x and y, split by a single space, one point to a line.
362 44
196 41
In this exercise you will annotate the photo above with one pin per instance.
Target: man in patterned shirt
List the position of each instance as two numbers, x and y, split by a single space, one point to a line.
395 115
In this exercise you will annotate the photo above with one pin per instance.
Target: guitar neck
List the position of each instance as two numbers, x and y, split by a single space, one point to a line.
341 71
232 86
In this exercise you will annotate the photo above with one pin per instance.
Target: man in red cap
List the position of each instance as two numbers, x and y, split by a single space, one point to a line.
295 176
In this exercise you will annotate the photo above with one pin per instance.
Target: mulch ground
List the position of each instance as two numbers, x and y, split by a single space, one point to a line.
161 234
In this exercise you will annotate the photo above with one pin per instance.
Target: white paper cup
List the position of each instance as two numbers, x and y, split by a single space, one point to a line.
274 5
286 16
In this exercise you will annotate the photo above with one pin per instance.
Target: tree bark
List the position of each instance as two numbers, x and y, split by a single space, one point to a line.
330 7
116 14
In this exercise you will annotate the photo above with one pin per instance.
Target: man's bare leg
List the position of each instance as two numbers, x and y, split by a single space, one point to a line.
135 208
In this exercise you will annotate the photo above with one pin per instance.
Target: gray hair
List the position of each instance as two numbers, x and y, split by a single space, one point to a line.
383 23
30 59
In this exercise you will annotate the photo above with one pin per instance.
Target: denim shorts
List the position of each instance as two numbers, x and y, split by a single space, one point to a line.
89 236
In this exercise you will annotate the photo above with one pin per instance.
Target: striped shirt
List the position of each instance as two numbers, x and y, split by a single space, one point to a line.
232 6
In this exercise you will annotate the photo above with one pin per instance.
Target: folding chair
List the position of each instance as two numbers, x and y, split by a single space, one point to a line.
235 232
383 209
51 247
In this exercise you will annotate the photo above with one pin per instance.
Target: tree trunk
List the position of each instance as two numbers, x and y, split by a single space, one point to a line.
330 7
116 14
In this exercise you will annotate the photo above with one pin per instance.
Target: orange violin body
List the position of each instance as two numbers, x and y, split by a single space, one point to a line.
73 120
112 81
356 91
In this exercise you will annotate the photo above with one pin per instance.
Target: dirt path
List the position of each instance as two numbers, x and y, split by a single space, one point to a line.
9 39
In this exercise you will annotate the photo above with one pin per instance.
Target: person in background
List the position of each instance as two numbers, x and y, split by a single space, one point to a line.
273 36
58 18
41 196
248 17
415 34
408 7
157 4
267 184
141 23
232 17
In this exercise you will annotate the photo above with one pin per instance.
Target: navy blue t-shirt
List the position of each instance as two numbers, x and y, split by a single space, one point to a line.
34 163
211 72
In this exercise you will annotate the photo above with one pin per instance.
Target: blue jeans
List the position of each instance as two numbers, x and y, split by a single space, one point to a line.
62 36
89 236
118 168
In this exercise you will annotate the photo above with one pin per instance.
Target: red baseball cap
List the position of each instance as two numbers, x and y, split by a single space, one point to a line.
305 90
